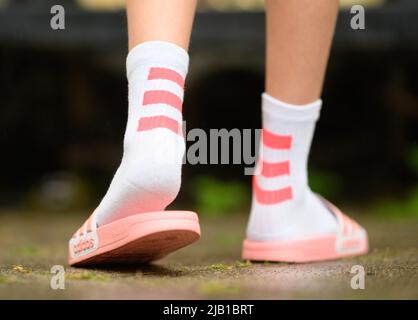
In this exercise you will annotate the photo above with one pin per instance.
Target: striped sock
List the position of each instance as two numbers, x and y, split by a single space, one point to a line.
149 176
283 206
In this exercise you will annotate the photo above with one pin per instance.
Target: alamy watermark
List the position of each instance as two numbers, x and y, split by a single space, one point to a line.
358 281
222 146
57 21
358 21
58 278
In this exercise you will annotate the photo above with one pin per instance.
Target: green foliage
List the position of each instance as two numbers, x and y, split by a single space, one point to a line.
60 192
327 184
216 197
413 159
407 207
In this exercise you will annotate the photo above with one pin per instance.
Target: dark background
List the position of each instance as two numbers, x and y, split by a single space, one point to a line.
63 98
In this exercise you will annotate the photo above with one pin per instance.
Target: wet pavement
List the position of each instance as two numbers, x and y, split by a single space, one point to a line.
210 269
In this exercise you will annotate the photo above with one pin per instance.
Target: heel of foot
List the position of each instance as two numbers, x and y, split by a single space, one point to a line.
140 238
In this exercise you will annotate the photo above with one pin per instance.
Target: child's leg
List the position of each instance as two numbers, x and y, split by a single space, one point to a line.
299 35
284 209
151 20
149 176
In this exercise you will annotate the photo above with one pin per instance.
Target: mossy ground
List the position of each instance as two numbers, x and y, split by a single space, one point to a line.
32 243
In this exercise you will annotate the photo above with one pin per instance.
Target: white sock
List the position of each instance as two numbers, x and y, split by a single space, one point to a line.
149 176
283 206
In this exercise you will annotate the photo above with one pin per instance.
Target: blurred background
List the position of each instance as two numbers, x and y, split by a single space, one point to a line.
64 105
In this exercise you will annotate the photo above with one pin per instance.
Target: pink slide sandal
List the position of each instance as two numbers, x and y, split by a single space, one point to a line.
350 240
139 238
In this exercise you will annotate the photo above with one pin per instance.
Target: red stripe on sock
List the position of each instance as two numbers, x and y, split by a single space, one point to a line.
164 97
276 141
149 123
166 74
275 169
271 196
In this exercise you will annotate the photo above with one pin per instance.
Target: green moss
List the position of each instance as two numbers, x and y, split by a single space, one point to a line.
219 267
243 264
183 269
20 269
215 288
8 279
227 267
88 275
42 272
